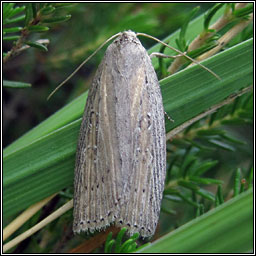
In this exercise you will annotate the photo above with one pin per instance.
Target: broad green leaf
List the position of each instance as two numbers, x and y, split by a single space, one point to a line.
66 115
225 229
34 168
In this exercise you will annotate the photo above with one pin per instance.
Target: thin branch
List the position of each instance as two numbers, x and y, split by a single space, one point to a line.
38 226
217 26
200 39
15 50
226 38
26 215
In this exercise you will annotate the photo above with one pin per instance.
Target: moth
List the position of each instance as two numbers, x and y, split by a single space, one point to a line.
121 153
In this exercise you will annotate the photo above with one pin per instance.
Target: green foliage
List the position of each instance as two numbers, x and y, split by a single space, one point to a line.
207 164
162 66
117 246
208 37
13 84
9 13
37 45
181 42
210 15
32 19
226 229
188 165
243 12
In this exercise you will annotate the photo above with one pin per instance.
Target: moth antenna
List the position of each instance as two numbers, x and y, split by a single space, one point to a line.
87 59
180 52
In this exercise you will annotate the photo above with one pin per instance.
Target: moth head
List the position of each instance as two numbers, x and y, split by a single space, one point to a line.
127 36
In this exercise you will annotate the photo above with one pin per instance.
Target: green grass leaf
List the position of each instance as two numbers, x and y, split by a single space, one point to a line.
33 169
225 229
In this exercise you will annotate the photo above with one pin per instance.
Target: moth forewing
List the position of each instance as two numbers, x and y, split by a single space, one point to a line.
121 153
